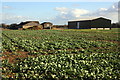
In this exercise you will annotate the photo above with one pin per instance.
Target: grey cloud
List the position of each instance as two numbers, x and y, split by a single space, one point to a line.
111 13
76 14
6 7
68 14
11 18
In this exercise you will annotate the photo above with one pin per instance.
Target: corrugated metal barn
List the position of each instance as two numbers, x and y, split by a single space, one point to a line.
88 24
101 23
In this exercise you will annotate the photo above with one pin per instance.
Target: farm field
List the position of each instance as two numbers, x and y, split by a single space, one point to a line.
61 54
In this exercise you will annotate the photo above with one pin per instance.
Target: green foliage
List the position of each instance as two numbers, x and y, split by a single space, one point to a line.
62 55
52 42
67 66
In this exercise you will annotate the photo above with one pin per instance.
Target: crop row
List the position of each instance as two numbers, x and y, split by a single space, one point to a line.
78 55
57 35
52 46
94 66
37 41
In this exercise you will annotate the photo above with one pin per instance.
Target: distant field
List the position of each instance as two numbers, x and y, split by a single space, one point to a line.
112 30
69 54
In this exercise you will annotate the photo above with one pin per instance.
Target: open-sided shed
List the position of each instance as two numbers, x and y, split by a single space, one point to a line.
47 25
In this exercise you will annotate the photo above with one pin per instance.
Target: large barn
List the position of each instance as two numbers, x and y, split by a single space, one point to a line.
88 24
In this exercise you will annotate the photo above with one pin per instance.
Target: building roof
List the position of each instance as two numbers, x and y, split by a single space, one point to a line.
89 19
46 23
23 23
100 18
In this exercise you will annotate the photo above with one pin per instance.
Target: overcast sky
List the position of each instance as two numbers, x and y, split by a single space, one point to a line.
57 12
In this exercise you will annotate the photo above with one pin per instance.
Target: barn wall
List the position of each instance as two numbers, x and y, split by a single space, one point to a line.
31 24
101 23
84 24
47 25
25 27
72 25
87 24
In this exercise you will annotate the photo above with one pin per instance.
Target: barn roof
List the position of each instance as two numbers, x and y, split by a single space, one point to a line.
89 19
100 18
23 23
46 23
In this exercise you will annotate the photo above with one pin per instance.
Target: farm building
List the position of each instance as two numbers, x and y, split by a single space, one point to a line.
89 24
47 25
30 24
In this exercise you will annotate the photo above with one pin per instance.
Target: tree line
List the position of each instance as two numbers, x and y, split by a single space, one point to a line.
11 26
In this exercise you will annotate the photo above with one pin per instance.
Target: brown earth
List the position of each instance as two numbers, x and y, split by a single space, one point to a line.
13 57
